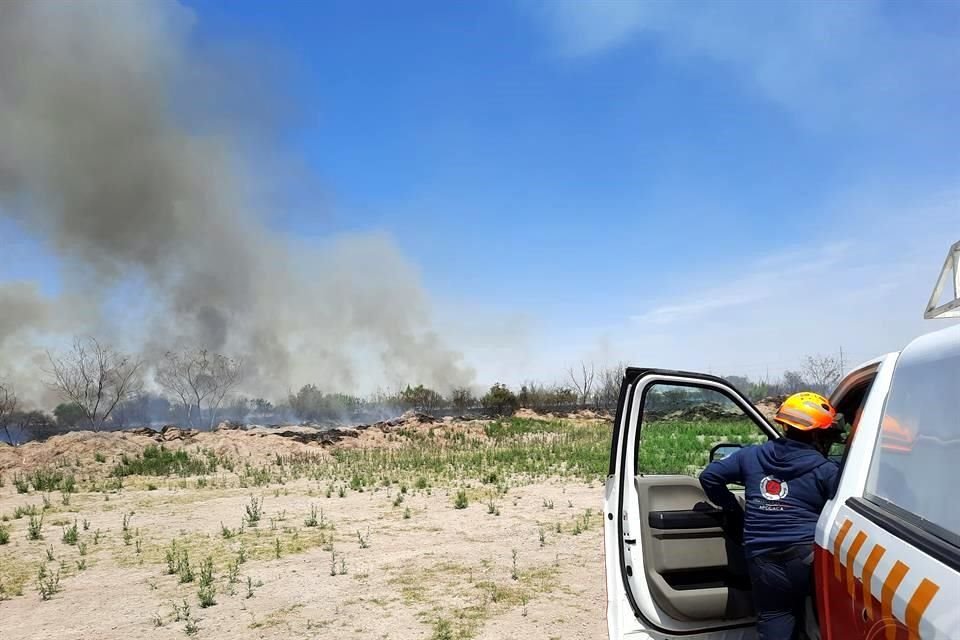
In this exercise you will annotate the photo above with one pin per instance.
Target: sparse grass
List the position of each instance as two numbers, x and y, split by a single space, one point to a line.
82 548
461 501
99 457
364 540
50 557
407 514
20 511
159 461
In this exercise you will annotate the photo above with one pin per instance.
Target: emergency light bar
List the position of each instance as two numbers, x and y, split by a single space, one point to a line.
949 274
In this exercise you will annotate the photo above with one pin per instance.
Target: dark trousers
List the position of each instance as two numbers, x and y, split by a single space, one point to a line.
781 582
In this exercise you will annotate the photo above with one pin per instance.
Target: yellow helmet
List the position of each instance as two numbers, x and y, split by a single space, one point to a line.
806 411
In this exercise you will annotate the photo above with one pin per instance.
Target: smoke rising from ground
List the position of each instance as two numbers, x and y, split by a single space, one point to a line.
114 153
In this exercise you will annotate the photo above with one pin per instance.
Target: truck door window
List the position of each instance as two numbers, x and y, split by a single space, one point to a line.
680 424
913 472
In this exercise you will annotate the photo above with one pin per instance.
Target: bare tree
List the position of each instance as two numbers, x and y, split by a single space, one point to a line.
198 378
225 375
793 382
582 382
173 374
607 392
95 378
8 410
823 372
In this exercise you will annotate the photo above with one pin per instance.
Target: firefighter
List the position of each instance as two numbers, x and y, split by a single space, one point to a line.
787 483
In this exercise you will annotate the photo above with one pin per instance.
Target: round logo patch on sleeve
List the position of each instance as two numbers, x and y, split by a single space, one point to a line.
773 489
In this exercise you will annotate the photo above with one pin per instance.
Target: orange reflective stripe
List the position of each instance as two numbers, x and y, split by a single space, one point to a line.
868 568
841 535
858 543
894 578
918 603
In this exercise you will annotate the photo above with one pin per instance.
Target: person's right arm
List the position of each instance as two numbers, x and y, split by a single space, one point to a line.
715 478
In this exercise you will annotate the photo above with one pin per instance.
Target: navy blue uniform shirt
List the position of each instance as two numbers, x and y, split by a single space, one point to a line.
786 484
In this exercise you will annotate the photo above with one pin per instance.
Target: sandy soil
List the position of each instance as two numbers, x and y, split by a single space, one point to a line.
439 573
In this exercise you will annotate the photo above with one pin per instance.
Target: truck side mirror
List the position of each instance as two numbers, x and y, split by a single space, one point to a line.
723 450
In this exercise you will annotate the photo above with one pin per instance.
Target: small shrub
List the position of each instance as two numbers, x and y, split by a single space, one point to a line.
364 540
35 527
82 548
21 483
226 532
191 628
276 548
181 612
233 572
254 511
50 557
96 536
421 483
4 535
47 583
70 534
207 591
81 564
543 536
249 587
442 630
407 514
86 524
461 502
65 498
312 521
398 500
99 457
514 575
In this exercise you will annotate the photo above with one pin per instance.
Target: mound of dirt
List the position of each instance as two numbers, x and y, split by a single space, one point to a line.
704 413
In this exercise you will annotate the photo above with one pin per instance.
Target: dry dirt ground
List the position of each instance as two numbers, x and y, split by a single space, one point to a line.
396 562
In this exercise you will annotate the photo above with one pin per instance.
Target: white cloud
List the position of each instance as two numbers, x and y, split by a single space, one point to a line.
861 285
845 63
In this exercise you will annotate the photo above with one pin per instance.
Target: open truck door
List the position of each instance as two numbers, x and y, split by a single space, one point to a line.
674 567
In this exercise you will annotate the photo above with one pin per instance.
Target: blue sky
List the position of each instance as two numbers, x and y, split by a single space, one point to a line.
649 182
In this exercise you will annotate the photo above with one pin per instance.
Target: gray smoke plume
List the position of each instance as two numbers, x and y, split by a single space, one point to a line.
116 151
